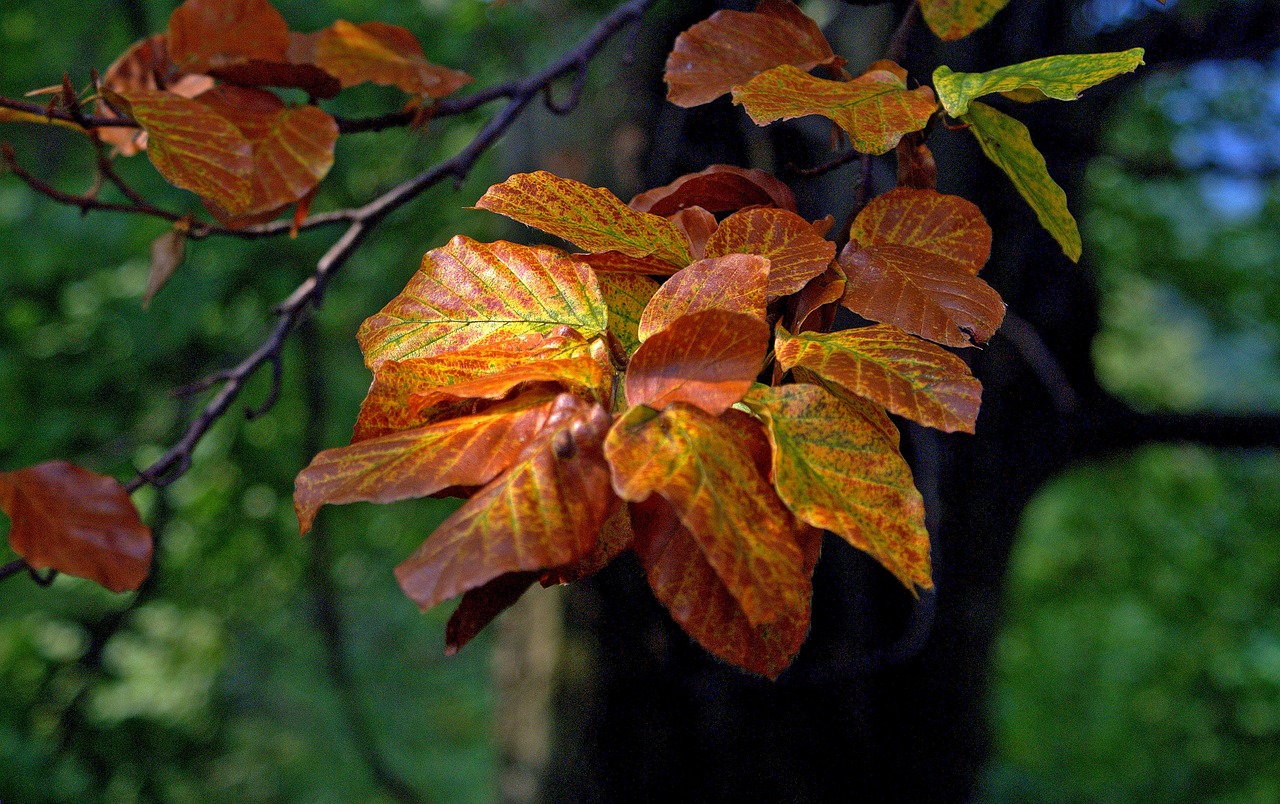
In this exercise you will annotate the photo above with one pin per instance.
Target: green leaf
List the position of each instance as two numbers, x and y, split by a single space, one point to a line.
1061 77
953 19
1007 142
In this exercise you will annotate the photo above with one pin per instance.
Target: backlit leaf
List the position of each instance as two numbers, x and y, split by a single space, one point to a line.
615 262
192 146
698 464
943 225
543 512
837 466
626 295
953 19
1060 77
480 606
584 374
145 65
708 359
468 293
735 282
686 583
591 218
719 188
910 377
796 252
731 47
1007 142
876 109
207 34
75 521
167 252
466 451
375 51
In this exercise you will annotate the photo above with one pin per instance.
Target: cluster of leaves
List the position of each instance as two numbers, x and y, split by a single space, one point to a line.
713 423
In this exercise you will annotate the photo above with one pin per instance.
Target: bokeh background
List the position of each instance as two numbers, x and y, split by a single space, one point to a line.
1139 657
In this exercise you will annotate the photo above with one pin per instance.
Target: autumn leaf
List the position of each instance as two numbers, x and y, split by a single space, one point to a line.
615 262
719 188
734 282
837 466
954 19
916 167
543 512
205 34
377 52
942 225
910 377
707 359
729 48
700 467
875 109
145 65
72 520
697 225
480 606
795 251
626 295
467 293
167 252
16 116
1007 143
192 146
591 218
825 289
588 375
614 539
1060 77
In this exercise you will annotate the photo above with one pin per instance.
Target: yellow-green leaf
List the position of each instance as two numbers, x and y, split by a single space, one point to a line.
837 466
592 218
953 19
1007 142
1060 77
627 295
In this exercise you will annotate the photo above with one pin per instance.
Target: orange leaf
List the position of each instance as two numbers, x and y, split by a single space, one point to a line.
591 218
730 47
584 374
943 225
192 146
700 466
466 451
916 167
708 359
375 51
543 512
734 282
626 295
827 288
686 583
75 521
481 605
876 109
696 224
292 146
837 466
910 377
138 68
796 252
206 34
616 262
719 188
468 293
615 538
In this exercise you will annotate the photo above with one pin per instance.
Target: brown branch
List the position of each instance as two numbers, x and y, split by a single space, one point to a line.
897 47
826 167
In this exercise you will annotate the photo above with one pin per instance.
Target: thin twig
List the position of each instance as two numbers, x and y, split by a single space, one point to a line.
14 567
897 47
1026 340
826 167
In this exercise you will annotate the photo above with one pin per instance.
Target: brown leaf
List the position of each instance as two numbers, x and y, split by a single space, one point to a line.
138 68
480 606
796 252
615 539
946 226
824 290
730 47
697 224
916 168
707 359
207 34
734 282
72 520
377 52
616 262
167 252
719 188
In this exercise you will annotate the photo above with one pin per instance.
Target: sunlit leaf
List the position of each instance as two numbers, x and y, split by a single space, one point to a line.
730 47
1007 142
1060 77
192 146
375 51
735 282
480 606
584 374
707 359
876 109
16 116
796 252
698 464
837 466
591 218
543 512
953 19
910 377
626 295
75 521
467 293
719 188
943 225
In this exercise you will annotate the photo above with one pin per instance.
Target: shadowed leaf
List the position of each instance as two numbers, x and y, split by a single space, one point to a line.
480 606
615 538
943 225
1060 77
615 262
377 52
167 252
591 218
916 167
139 67
626 295
910 377
826 289
953 19
75 521
207 34
836 465
796 252
700 466
875 109
735 282
468 293
707 359
719 188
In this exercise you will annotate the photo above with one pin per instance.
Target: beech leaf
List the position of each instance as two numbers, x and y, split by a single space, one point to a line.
795 251
592 218
943 225
167 252
377 52
467 293
696 224
1060 77
480 606
700 466
145 65
207 34
626 295
910 377
837 466
875 109
707 359
615 262
75 521
954 19
734 282
719 188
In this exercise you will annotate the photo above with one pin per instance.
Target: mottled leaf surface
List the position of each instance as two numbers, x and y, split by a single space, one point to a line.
795 251
1060 77
615 262
377 52
627 295
75 521
954 19
719 188
734 282
139 67
707 359
942 225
